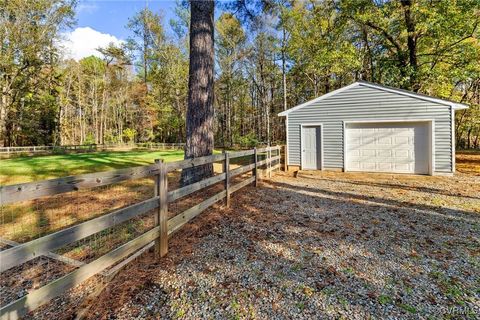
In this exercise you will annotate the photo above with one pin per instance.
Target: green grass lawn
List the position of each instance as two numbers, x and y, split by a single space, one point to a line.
26 169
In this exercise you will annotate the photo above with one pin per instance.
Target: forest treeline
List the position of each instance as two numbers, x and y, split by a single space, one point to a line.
270 56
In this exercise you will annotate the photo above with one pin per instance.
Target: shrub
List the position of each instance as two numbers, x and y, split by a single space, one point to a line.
130 134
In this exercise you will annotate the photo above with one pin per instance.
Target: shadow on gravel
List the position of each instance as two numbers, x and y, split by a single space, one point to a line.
447 212
289 251
396 186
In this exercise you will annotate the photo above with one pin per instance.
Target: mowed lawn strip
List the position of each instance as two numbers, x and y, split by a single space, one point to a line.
27 169
27 220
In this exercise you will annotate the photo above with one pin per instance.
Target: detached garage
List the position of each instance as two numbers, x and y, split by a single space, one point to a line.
372 128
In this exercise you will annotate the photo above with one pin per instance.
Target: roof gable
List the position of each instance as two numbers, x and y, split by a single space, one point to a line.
454 105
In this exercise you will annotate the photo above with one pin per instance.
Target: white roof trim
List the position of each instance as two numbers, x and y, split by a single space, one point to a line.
415 95
284 113
454 105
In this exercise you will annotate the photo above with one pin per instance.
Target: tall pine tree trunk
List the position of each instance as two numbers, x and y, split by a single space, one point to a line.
199 124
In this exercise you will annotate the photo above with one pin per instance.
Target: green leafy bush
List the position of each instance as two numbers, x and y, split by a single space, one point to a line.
250 140
129 134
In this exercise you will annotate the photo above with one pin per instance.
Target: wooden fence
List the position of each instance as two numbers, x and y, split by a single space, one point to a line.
10 151
119 257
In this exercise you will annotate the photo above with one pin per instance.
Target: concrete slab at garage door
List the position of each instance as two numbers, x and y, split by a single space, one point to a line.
402 147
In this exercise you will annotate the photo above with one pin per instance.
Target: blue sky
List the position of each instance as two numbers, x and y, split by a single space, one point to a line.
111 16
100 22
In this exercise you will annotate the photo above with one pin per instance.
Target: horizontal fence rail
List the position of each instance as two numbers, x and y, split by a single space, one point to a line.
156 237
34 190
87 147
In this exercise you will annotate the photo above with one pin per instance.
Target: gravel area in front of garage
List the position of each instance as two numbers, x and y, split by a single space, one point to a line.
322 245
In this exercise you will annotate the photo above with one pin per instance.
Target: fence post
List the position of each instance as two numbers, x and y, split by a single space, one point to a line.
285 159
157 214
269 155
279 155
271 162
255 171
226 169
163 209
161 216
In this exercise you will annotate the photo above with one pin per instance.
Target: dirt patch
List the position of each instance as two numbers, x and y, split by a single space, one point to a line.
468 162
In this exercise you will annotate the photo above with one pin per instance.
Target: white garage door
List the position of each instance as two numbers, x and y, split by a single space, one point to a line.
388 147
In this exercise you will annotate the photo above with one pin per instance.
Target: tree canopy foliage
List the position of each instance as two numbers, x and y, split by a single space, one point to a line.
270 55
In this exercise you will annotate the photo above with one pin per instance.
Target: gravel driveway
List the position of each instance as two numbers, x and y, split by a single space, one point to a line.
322 245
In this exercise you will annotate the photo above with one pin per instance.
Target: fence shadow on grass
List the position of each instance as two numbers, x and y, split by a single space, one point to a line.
43 167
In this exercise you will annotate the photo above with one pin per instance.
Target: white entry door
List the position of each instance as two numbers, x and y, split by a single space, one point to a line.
311 147
388 147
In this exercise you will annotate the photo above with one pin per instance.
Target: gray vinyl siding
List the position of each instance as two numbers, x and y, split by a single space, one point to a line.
363 103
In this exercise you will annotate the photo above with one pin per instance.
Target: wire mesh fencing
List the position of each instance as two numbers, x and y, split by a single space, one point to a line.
51 229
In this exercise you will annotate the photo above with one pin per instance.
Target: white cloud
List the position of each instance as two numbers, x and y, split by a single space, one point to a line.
83 42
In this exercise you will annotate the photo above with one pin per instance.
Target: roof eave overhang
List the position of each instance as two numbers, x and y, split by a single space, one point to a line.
459 106
455 106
